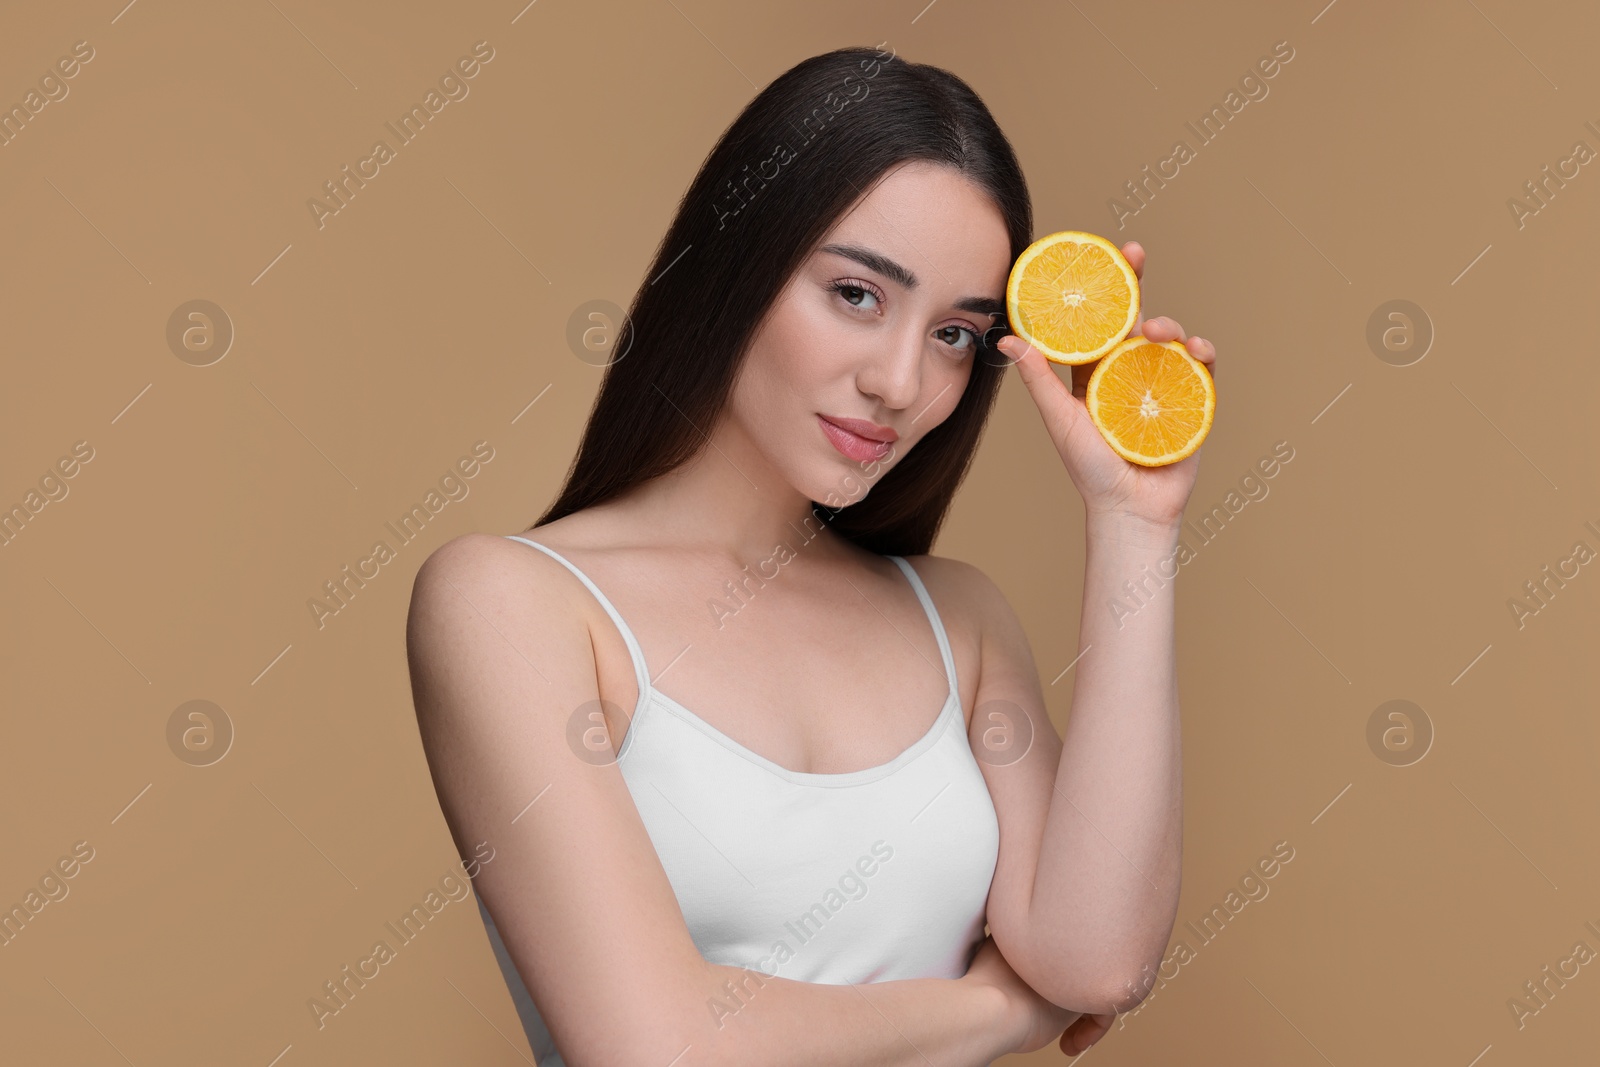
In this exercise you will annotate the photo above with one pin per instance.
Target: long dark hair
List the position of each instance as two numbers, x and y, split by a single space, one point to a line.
797 157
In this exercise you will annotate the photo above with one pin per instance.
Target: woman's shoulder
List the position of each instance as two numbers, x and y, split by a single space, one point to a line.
985 632
486 578
491 616
958 585
485 561
502 558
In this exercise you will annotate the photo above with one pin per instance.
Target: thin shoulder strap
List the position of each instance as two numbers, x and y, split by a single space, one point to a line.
640 670
933 617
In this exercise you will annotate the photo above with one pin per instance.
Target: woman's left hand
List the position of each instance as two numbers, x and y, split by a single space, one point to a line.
1086 1031
1109 484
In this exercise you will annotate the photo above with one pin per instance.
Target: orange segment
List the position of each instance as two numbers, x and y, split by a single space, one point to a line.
1152 402
1073 296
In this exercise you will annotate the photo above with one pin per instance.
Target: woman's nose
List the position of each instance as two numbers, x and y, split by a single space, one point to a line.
894 373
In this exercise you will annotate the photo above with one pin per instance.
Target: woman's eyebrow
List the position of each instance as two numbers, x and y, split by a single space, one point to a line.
981 305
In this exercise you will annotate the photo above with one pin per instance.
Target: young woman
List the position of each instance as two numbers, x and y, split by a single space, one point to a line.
758 768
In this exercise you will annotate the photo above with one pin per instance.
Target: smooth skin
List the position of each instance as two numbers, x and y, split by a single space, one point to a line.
509 652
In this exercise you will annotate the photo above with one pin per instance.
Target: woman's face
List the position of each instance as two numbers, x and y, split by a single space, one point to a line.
876 333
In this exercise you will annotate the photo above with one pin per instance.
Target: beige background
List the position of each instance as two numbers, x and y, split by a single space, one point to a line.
369 354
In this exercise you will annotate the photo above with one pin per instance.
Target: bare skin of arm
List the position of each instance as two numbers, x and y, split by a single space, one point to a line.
1086 886
501 658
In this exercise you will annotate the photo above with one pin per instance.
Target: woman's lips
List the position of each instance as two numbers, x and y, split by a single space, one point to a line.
853 445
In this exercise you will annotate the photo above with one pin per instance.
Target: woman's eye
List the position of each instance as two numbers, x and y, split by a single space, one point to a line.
944 333
853 293
859 296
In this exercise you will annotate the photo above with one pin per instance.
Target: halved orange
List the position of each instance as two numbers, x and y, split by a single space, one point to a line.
1152 401
1073 296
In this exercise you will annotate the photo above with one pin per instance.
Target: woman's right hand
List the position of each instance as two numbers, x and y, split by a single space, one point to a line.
1035 1021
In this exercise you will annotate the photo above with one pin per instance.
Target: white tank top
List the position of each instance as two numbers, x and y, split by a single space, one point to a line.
865 876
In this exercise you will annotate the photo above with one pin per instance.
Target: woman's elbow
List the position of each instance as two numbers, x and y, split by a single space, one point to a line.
1090 990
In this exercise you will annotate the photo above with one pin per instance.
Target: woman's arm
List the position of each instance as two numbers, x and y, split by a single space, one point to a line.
906 1023
1105 891
1086 884
1086 893
501 658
